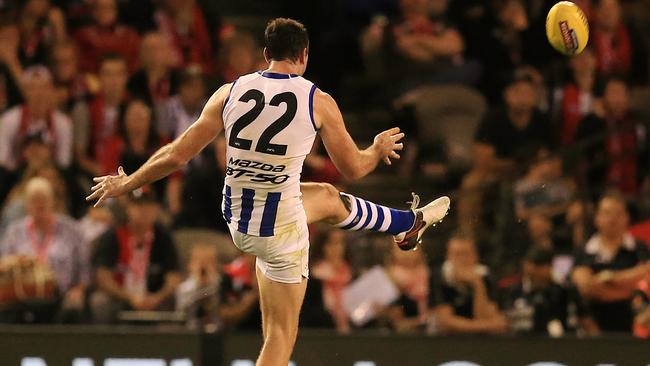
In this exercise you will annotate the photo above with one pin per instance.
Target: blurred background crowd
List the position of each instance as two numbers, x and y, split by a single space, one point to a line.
545 158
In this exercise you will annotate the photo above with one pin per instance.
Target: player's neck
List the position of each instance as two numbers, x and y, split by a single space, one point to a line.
283 67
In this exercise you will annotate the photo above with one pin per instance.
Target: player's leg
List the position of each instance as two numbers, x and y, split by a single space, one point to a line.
323 202
280 304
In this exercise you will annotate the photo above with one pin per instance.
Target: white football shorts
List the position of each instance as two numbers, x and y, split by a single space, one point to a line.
283 257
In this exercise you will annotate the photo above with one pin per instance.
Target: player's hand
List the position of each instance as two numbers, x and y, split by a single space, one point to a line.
387 144
108 186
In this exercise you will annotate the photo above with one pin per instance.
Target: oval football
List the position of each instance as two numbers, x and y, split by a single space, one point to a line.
567 28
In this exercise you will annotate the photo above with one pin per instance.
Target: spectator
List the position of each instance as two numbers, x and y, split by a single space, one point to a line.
575 99
15 206
335 273
139 139
53 240
36 118
10 68
539 231
71 86
40 25
155 81
619 49
424 45
610 266
183 24
504 135
537 304
97 122
462 294
509 131
410 272
198 295
183 109
241 55
615 143
105 35
239 306
136 264
177 114
502 49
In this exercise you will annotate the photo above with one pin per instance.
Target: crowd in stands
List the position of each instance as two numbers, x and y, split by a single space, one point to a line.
546 159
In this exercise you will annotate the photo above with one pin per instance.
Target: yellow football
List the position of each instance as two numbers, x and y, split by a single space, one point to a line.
567 29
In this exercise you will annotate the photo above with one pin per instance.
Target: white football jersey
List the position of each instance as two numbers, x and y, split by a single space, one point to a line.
269 127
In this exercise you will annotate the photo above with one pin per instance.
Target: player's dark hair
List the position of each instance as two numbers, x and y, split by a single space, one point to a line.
285 39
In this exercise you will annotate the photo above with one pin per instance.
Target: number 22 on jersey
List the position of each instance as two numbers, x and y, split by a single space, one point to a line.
264 144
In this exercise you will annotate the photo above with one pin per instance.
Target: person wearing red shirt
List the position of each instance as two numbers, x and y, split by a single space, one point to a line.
104 36
619 49
183 24
96 122
614 143
575 100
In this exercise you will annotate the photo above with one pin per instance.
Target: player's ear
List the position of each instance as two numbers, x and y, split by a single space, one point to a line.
266 56
304 56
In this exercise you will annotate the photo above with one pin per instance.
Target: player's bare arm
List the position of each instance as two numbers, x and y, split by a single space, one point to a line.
170 157
352 162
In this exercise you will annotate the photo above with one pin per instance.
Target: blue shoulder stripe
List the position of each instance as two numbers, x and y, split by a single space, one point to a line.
311 106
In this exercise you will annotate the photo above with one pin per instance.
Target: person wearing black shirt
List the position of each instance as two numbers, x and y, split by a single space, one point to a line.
610 266
156 81
136 265
537 304
462 294
503 137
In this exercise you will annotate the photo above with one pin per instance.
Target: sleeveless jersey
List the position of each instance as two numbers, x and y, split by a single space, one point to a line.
269 127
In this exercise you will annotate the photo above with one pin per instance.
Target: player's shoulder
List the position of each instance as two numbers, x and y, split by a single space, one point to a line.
323 99
246 78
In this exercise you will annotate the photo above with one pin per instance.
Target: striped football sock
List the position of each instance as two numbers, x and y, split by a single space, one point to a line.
365 215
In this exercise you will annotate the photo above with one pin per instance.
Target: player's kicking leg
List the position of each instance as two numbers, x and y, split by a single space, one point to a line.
323 202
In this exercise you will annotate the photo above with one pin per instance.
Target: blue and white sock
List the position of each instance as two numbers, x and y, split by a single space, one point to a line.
365 215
